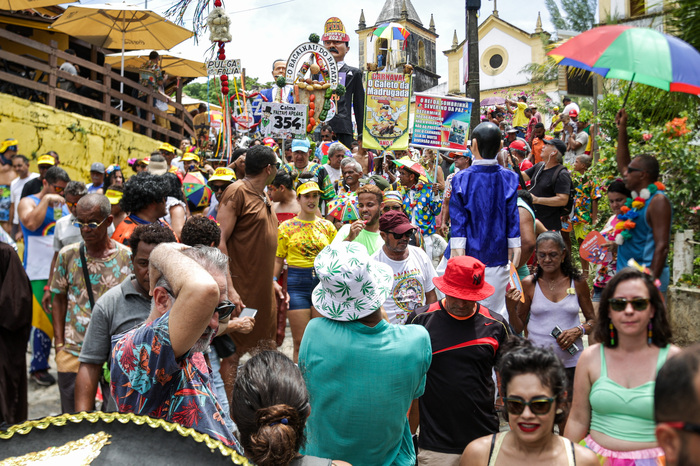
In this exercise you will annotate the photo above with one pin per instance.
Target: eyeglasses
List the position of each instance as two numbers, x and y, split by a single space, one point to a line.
620 304
225 309
539 405
92 225
686 426
57 189
634 169
401 235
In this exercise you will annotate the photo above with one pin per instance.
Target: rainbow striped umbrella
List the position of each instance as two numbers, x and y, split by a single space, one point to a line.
634 54
391 31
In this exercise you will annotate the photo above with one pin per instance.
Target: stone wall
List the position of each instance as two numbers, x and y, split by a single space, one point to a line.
79 141
683 314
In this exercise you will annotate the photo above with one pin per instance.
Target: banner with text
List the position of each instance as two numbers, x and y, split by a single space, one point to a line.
387 100
283 120
441 122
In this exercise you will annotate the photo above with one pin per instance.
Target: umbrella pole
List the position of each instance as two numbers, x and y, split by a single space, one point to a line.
121 82
624 103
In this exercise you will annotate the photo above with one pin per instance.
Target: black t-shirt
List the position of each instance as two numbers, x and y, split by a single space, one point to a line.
542 185
457 406
33 186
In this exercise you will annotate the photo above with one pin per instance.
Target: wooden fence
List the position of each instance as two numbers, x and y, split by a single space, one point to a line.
34 79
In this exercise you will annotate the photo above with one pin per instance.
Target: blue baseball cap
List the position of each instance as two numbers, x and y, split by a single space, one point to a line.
300 145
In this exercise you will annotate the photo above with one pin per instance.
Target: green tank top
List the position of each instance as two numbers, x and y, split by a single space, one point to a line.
620 412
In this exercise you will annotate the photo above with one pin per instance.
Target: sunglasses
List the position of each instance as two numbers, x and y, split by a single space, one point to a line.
686 426
57 189
225 309
92 225
218 188
539 405
620 304
401 235
634 169
71 204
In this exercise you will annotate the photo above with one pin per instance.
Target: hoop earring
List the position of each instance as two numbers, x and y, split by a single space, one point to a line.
612 334
649 334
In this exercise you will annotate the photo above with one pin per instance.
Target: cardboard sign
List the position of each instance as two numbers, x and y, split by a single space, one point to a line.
219 67
387 103
593 249
441 122
283 120
514 280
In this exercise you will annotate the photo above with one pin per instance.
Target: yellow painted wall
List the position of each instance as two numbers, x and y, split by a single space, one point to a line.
79 141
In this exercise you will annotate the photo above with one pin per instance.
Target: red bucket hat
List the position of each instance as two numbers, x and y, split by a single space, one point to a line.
465 278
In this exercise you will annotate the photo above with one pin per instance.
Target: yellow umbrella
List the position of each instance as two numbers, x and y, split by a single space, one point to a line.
16 5
120 25
172 63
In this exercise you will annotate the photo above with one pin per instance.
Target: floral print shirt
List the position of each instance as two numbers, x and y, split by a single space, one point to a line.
69 279
147 379
151 76
422 206
586 191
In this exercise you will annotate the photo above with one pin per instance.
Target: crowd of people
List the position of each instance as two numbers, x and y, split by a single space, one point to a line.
398 275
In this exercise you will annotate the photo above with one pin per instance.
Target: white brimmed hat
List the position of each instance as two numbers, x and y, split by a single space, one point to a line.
352 285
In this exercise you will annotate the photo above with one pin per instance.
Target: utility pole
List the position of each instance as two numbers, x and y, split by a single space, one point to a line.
473 89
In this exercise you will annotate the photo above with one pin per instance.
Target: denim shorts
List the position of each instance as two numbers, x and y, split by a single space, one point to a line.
597 292
300 284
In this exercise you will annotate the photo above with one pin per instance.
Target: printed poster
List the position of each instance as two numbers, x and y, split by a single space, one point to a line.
441 122
387 101
593 249
282 120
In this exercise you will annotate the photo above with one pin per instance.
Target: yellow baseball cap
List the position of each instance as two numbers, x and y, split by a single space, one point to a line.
223 174
190 156
167 148
46 159
309 187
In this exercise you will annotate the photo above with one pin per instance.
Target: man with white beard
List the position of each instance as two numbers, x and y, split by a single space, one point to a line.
158 369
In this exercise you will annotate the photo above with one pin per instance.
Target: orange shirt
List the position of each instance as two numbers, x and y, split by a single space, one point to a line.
537 146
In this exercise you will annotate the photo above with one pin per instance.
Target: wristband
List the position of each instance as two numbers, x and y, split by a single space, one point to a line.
583 329
47 288
274 279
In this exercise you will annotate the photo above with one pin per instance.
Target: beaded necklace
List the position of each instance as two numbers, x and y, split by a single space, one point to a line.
630 211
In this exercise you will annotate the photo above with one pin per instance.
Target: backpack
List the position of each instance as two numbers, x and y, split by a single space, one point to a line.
569 207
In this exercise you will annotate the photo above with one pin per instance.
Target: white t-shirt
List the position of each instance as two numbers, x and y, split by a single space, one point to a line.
413 278
570 156
16 187
333 174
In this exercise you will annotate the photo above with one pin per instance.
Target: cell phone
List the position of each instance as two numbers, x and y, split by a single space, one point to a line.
248 312
573 349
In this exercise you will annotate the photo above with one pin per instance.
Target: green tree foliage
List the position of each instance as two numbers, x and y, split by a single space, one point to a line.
578 15
212 92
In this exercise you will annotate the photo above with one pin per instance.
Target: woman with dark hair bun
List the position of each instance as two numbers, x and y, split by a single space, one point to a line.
534 381
553 296
270 408
613 408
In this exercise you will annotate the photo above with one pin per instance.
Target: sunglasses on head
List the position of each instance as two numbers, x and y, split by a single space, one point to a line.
620 304
225 309
401 235
539 405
